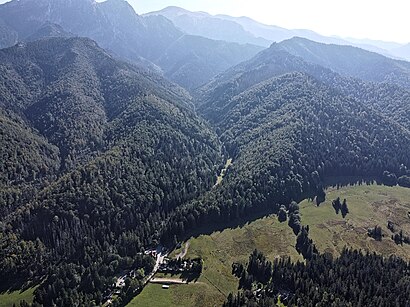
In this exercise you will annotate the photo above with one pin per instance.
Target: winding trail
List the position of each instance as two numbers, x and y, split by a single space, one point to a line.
184 251
158 262
223 172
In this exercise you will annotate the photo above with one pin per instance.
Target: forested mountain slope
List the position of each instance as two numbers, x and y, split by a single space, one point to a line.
118 149
193 60
212 99
117 28
213 27
289 124
350 61
286 135
69 89
28 161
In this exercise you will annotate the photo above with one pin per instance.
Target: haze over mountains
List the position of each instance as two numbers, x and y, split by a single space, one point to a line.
117 28
247 30
114 127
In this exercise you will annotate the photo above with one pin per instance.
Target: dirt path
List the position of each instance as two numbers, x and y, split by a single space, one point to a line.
223 172
215 286
168 281
184 251
158 262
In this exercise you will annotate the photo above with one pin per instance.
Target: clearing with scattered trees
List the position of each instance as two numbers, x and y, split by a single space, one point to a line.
368 205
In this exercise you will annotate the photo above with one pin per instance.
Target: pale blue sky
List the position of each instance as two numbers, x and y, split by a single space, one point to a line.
376 19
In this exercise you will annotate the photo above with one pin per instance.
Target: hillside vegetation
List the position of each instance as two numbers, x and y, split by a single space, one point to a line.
116 130
218 251
369 205
286 136
106 158
147 41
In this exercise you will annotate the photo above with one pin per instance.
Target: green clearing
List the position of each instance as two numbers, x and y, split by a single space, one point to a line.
177 295
368 206
219 250
7 299
153 295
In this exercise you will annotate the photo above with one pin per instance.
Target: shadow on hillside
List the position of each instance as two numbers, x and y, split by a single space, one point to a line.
190 277
218 227
330 182
18 285
340 182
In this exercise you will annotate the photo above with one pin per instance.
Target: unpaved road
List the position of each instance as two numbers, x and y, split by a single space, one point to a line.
168 281
159 261
182 254
223 172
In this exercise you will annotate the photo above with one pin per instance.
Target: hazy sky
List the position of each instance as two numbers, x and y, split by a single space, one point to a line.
375 19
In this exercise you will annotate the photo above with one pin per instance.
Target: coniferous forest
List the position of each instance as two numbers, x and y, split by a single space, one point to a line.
353 279
112 140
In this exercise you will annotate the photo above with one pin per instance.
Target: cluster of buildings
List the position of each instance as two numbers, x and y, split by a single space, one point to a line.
181 266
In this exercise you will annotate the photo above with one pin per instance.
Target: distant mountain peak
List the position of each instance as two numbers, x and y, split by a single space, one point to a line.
119 3
174 11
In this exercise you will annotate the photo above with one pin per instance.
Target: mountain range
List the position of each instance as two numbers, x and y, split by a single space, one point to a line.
81 132
114 128
246 30
117 28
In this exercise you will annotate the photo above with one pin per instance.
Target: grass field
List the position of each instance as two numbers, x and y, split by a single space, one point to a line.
368 205
153 295
219 250
9 298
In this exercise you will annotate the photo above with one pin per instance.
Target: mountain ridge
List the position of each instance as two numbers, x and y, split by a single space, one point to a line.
90 159
392 97
266 34
107 161
117 28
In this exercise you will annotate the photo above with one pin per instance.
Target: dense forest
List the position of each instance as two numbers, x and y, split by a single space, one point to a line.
112 151
353 279
286 136
105 159
214 99
350 61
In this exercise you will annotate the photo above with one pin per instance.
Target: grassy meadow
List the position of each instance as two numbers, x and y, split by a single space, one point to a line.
369 205
7 299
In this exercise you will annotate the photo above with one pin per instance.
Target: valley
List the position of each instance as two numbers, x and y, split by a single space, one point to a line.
273 163
223 172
